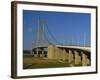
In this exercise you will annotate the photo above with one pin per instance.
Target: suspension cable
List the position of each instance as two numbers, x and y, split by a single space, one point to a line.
52 36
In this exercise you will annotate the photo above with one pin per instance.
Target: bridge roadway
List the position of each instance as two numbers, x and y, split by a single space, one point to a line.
75 47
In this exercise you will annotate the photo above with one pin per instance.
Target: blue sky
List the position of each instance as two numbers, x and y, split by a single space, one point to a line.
66 27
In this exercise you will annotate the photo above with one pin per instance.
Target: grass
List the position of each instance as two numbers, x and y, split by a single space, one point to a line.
30 62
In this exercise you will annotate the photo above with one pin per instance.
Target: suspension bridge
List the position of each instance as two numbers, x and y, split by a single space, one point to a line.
47 46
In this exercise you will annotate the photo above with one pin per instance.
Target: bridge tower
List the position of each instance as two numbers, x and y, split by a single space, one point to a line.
40 37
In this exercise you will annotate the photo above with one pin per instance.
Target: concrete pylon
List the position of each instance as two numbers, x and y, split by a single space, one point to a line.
65 54
84 59
41 55
88 61
56 54
51 51
60 56
35 55
77 58
70 57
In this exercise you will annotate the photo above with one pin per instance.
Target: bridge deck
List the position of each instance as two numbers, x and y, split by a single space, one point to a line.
72 47
75 47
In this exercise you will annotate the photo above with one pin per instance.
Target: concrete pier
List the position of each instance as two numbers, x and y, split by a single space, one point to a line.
73 56
77 58
51 52
70 57
85 60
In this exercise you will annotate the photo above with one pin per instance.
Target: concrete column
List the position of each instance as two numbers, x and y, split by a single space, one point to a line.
56 52
51 51
60 54
84 59
70 56
77 58
35 55
41 55
88 61
65 54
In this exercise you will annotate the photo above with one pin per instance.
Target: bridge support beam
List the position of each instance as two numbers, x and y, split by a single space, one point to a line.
56 52
41 55
85 60
35 55
51 51
77 58
65 54
60 53
70 57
